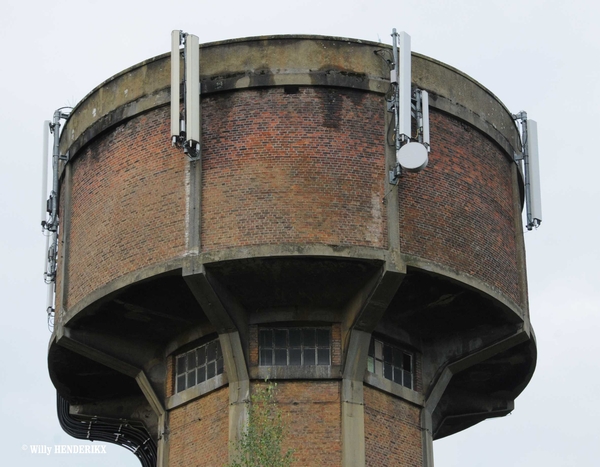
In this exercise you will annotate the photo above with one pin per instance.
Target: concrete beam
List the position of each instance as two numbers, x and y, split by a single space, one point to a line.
220 307
356 356
82 343
126 357
120 355
230 321
445 374
442 381
369 304
72 340
361 316
437 355
239 387
61 292
194 206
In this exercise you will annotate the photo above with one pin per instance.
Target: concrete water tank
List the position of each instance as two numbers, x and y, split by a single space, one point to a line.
389 315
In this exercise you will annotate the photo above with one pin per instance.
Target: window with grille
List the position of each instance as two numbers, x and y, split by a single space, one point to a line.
391 362
295 346
198 365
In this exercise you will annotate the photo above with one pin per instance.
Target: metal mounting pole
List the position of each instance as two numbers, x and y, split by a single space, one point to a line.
52 224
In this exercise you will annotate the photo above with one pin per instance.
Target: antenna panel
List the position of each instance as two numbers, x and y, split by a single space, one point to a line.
175 82
404 126
192 91
534 172
50 297
46 260
45 171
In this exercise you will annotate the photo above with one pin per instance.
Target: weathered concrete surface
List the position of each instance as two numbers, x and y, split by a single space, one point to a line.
288 60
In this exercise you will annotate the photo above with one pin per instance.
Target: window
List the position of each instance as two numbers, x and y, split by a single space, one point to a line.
198 365
391 362
294 346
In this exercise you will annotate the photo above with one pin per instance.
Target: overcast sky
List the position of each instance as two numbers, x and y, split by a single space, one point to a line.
539 56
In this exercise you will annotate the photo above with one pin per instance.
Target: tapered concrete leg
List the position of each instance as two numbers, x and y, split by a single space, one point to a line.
353 424
427 438
353 409
239 388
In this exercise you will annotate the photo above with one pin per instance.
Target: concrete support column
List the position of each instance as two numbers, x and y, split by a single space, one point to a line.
229 319
353 410
194 203
427 437
162 455
391 192
65 229
520 240
239 387
360 318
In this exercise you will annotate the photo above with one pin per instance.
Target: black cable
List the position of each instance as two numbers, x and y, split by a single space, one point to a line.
130 434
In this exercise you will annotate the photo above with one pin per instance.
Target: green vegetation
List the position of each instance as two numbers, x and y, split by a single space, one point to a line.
261 442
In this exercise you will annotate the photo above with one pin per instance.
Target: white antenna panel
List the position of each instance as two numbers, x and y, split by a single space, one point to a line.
192 91
404 87
46 263
534 172
45 171
175 82
50 297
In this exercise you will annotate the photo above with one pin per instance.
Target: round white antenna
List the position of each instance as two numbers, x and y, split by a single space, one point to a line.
413 157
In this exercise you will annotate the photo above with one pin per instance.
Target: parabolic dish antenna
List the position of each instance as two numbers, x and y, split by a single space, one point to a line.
413 157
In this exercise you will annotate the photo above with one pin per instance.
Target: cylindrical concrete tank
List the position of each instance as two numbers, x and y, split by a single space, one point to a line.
389 315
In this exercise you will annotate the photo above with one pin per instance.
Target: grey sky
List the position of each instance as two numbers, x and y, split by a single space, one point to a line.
538 56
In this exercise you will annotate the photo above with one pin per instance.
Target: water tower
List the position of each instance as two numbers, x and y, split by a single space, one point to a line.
248 209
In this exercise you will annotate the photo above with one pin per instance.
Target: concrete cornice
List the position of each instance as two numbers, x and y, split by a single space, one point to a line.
297 60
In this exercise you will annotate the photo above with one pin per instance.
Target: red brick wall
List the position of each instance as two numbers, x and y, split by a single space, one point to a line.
170 376
253 345
199 431
312 412
286 168
392 431
458 212
336 344
128 203
418 362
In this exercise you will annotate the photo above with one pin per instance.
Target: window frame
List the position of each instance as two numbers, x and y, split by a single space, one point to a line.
210 367
271 349
382 358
